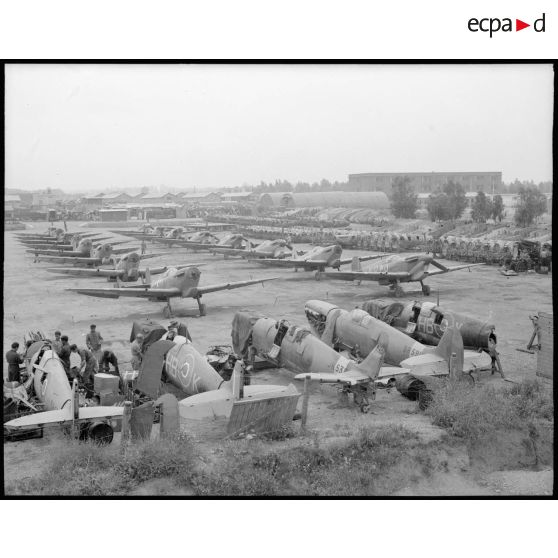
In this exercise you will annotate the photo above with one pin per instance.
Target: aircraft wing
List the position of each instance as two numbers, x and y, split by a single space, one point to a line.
228 286
140 291
67 260
87 272
365 275
229 251
444 269
292 262
345 261
351 377
62 417
147 256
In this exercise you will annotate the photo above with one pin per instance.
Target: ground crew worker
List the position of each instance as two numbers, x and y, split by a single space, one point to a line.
76 362
143 247
93 340
57 343
136 349
89 367
496 365
107 359
64 353
14 360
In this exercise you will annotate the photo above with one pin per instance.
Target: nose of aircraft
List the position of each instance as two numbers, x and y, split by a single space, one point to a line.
194 273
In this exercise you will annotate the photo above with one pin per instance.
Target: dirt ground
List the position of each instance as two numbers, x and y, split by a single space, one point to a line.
36 299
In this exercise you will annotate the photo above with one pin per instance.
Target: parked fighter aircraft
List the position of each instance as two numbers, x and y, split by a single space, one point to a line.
358 333
296 349
174 283
316 259
126 269
197 240
62 246
103 254
277 248
205 240
60 400
394 270
209 396
84 247
426 322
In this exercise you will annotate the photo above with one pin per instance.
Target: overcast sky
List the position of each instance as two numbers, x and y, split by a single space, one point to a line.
94 127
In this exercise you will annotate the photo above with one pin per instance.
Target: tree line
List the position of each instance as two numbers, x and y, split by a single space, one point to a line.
449 202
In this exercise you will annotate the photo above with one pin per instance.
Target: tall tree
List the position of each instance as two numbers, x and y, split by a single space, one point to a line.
457 201
497 208
403 198
438 206
481 209
531 204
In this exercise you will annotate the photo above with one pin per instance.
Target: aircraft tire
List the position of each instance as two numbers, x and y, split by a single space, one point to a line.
426 290
203 309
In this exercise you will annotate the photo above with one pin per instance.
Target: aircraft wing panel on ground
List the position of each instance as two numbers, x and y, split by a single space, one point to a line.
229 286
63 417
139 292
365 275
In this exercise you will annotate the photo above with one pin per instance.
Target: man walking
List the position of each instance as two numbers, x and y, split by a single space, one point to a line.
14 360
93 341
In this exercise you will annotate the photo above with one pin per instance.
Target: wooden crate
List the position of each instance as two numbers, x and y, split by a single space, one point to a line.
545 356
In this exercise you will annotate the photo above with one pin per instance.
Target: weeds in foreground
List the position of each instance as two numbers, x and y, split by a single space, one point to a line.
473 413
363 464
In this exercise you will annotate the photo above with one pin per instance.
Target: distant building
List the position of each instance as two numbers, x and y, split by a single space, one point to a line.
148 199
237 196
44 200
364 200
109 199
191 198
108 215
426 182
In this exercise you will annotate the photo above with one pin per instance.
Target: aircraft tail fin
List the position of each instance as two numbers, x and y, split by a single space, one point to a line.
372 364
451 343
355 264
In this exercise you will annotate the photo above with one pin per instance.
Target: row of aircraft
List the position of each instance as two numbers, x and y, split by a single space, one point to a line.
176 281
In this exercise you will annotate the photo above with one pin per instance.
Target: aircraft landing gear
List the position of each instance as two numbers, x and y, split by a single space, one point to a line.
318 275
360 396
396 289
201 306
167 311
425 289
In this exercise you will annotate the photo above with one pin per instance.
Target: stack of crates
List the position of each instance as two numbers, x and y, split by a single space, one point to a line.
106 386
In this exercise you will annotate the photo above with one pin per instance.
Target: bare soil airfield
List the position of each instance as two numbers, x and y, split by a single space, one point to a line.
36 299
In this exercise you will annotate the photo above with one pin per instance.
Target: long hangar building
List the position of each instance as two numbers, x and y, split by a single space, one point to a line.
425 182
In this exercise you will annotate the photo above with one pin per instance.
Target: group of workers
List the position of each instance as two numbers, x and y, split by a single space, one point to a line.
79 363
